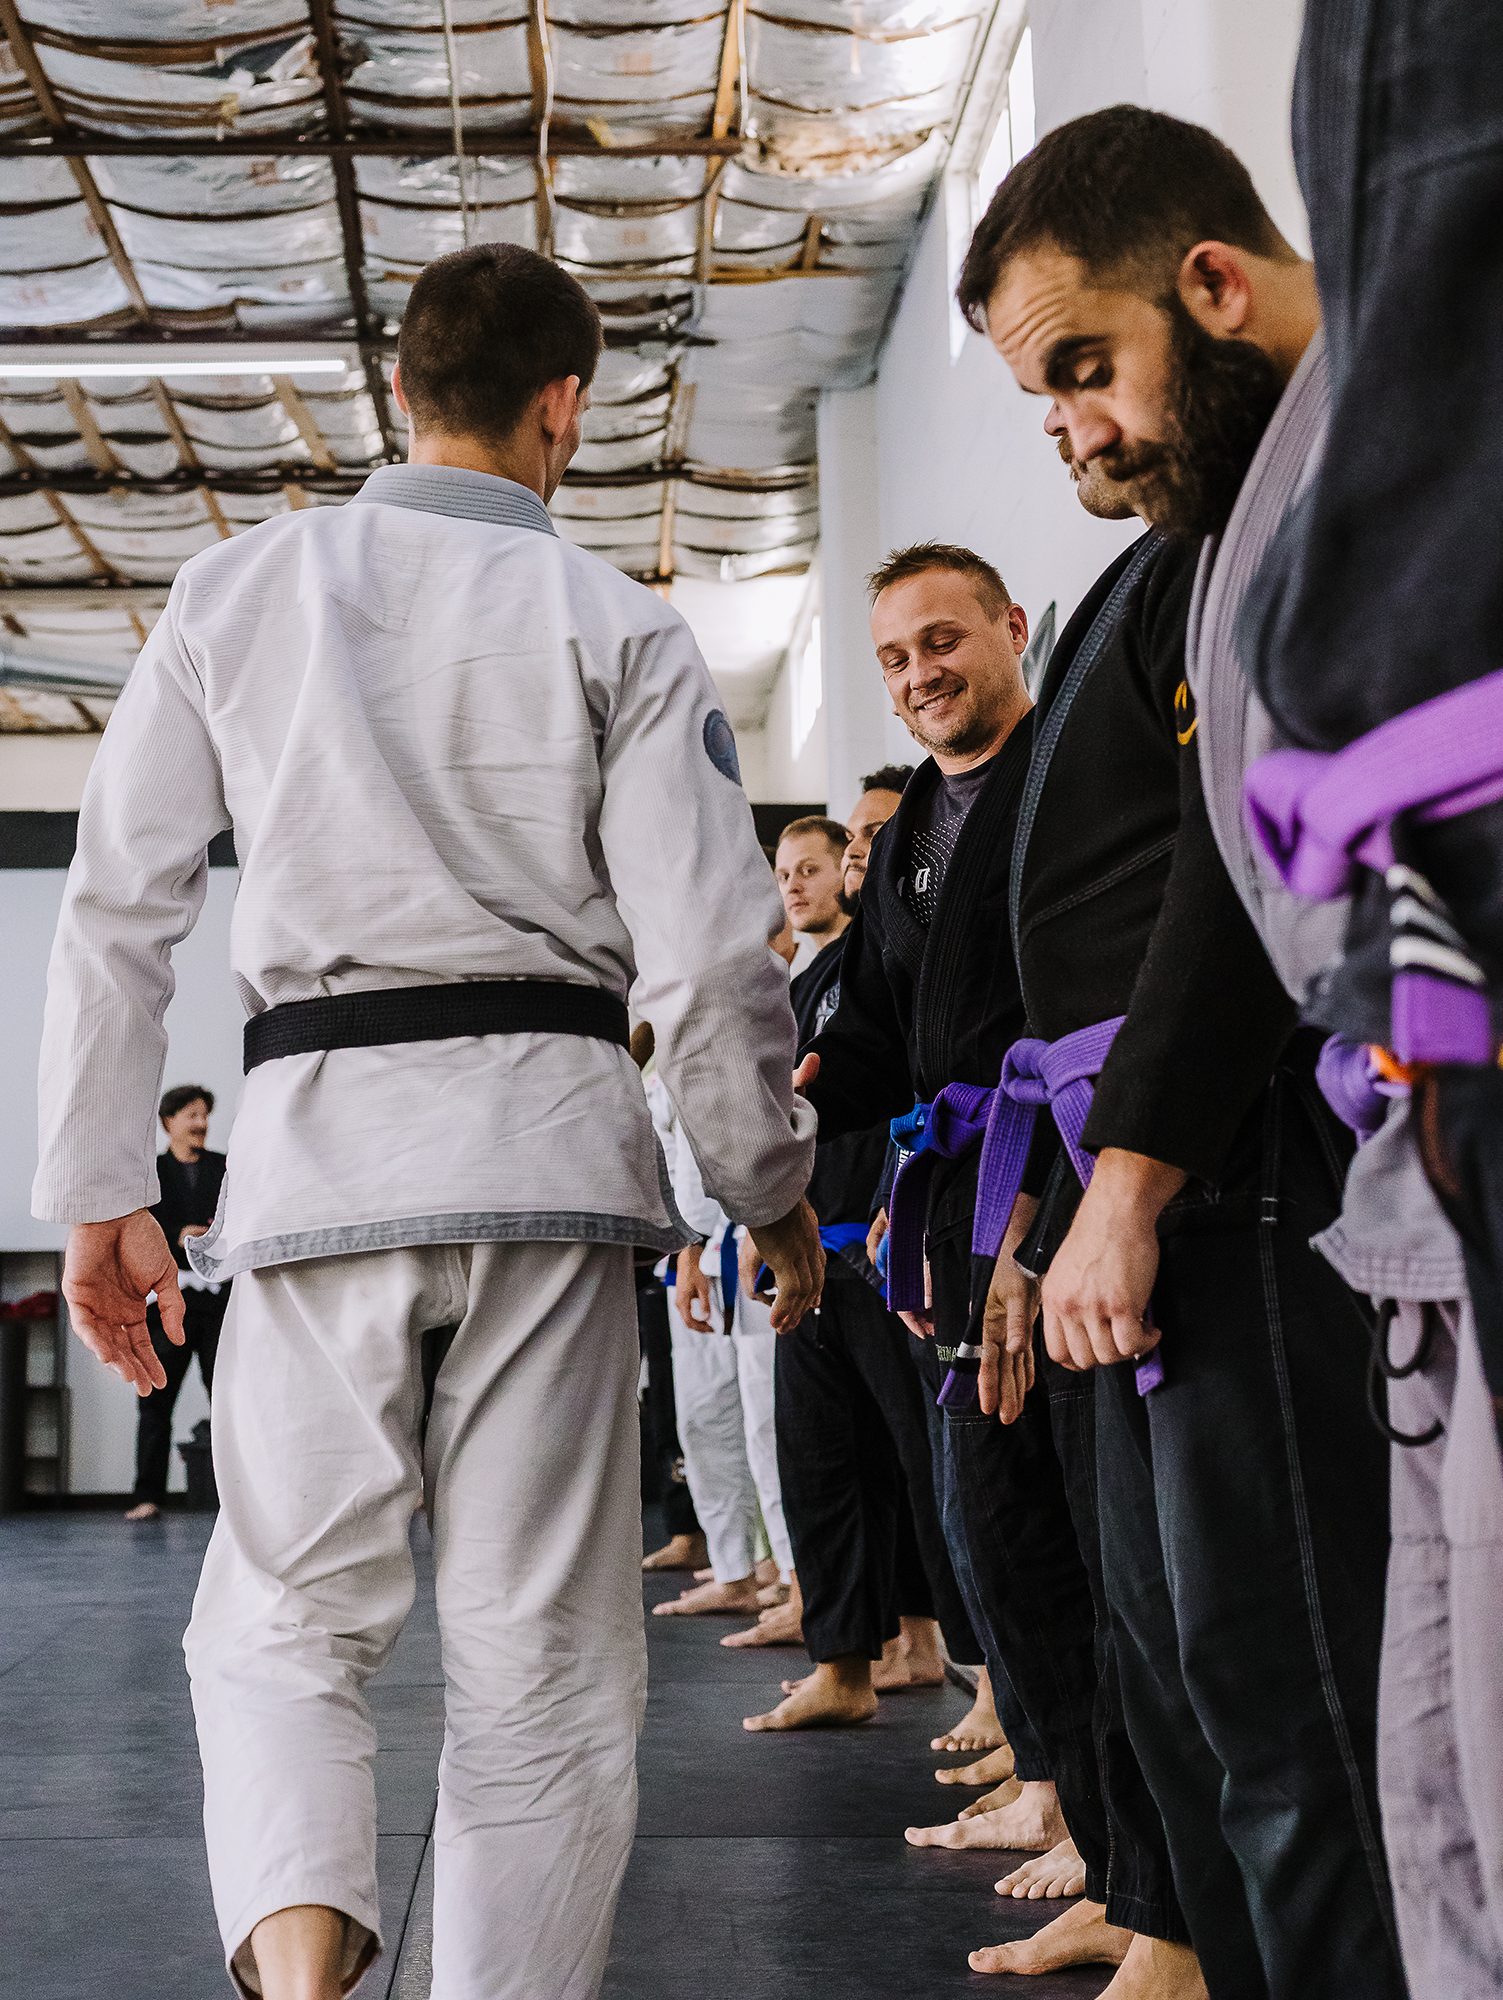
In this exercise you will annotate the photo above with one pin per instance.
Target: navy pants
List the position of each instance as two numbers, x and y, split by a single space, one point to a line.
857 1482
1021 1500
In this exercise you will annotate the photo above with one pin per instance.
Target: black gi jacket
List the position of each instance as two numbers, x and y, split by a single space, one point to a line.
920 1009
181 1204
1126 908
847 1168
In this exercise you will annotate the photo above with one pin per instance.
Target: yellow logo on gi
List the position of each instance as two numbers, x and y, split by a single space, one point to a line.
1181 710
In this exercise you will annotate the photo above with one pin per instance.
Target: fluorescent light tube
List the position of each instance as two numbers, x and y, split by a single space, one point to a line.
264 364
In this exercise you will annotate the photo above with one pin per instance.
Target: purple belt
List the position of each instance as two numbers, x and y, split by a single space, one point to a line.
1034 1073
1352 1085
1318 816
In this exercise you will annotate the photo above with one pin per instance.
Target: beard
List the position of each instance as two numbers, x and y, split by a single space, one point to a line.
969 731
1223 393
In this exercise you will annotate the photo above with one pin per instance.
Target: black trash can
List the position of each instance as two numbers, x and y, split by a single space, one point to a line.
198 1458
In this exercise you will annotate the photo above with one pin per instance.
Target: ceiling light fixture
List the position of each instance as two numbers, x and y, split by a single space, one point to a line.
253 364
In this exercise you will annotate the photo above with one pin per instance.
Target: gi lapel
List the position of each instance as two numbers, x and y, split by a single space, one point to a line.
1048 735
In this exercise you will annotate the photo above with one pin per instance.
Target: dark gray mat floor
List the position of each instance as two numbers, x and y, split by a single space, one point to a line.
765 1868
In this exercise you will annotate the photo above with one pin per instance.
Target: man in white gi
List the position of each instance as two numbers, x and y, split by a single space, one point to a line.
480 788
723 1396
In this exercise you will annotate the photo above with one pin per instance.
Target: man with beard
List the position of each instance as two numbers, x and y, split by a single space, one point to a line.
881 793
929 1000
1243 1492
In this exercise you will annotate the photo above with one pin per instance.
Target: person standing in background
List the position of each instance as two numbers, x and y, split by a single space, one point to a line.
189 1176
881 794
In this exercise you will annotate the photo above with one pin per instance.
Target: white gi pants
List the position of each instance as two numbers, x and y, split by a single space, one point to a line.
1440 1697
723 1397
531 1475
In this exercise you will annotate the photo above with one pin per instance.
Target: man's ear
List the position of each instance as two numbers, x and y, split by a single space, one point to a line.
1215 288
558 403
397 390
1017 625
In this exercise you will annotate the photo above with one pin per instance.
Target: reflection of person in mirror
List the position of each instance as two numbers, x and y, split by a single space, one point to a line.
189 1176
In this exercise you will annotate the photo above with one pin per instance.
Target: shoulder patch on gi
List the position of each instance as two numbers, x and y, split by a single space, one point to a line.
720 745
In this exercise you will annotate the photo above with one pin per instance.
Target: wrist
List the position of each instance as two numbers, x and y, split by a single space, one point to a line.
1133 1186
1024 1209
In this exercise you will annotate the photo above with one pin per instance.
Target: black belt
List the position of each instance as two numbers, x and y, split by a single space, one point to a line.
435 1014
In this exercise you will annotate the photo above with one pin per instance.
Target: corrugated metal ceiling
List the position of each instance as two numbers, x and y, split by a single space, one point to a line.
737 185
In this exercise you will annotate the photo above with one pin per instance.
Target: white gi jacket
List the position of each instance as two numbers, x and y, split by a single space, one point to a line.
450 746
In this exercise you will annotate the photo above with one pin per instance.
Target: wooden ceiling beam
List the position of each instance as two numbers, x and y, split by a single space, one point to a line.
73 143
99 214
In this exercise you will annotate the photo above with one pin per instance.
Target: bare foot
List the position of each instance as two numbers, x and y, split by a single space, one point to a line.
1082 1936
708 1597
1032 1822
782 1626
990 1802
912 1660
987 1770
704 1576
836 1694
1060 1872
771 1595
683 1552
147 1510
767 1572
979 1728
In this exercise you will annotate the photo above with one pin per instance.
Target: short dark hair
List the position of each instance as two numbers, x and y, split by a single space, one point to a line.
991 591
891 778
1122 190
181 1096
487 328
832 830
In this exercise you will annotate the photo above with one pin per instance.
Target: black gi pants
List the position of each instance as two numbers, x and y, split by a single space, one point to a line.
662 1455
1025 1494
1029 1761
857 1480
203 1316
1244 1511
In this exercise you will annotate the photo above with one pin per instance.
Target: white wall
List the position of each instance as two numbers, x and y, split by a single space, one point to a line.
204 1023
935 450
44 773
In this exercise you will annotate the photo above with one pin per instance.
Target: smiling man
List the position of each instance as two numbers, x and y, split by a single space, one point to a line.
929 997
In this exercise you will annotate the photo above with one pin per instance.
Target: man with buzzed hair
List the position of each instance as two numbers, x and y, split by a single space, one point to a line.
929 1003
481 787
1127 270
881 792
853 1441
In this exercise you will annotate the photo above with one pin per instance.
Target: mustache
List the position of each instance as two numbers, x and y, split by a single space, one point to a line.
947 684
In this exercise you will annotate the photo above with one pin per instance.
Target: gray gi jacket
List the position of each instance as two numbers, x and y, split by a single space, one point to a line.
1391 1239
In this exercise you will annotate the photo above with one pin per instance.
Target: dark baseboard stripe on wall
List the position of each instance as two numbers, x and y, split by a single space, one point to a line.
770 820
47 840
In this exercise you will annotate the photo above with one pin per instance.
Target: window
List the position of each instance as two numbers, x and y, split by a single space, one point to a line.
1014 134
808 685
986 152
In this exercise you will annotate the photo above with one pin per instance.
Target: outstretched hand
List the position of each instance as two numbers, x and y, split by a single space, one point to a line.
109 1269
791 1247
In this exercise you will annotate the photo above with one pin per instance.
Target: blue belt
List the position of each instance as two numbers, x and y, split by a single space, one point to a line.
836 1235
730 1279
